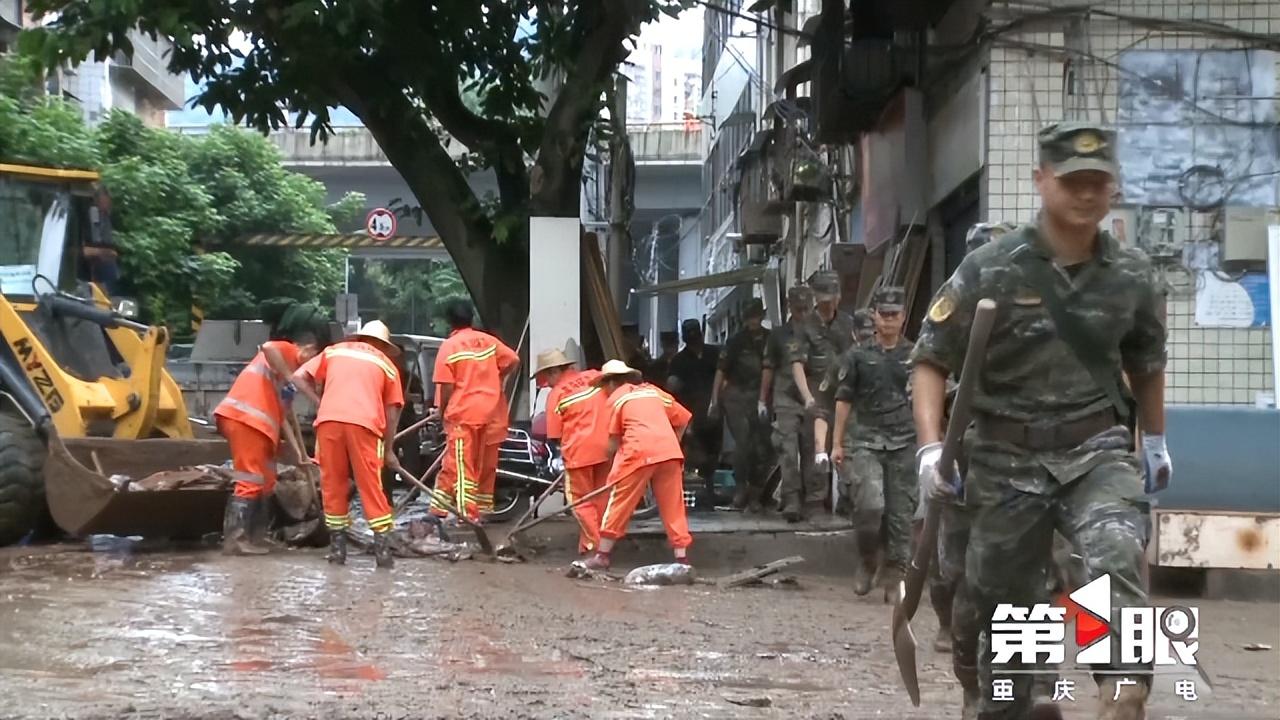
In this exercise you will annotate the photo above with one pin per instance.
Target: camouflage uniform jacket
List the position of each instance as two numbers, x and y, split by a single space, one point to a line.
782 346
1031 375
819 348
874 381
742 360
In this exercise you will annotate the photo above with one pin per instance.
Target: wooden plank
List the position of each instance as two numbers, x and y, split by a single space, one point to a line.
1216 539
913 266
868 278
604 313
756 573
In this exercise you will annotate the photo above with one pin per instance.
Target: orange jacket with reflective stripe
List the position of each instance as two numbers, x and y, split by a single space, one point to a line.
359 382
578 416
254 398
648 423
473 362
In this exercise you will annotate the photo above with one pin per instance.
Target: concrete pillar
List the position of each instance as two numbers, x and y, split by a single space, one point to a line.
554 289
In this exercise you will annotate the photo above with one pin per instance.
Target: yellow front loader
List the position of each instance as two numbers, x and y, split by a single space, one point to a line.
86 405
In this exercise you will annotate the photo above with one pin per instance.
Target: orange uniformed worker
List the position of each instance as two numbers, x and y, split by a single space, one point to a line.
253 417
645 426
468 375
495 433
359 408
578 422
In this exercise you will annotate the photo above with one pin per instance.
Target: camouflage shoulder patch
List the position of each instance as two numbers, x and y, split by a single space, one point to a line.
941 308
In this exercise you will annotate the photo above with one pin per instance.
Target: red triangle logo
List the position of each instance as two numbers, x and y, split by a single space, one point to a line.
1089 629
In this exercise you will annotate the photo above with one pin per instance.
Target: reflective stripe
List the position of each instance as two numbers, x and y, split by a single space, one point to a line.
381 449
361 355
576 398
461 489
472 354
248 478
337 522
568 486
260 368
604 519
383 521
250 410
636 394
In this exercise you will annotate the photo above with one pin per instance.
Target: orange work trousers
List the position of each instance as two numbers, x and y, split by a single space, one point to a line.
344 451
458 481
667 478
253 456
578 482
488 477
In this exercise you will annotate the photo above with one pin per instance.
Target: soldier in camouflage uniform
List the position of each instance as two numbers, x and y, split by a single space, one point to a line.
864 332
792 436
1049 446
877 455
737 386
829 335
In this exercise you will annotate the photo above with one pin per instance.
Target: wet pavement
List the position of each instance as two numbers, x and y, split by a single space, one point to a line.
189 633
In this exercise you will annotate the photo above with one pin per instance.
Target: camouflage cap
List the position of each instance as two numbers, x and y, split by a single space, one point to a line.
984 232
755 308
889 299
826 284
1068 147
862 320
800 295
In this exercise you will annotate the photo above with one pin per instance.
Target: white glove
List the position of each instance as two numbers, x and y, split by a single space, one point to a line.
762 410
931 480
557 464
1156 463
822 460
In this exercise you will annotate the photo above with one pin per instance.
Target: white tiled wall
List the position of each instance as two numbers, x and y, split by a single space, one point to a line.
1206 365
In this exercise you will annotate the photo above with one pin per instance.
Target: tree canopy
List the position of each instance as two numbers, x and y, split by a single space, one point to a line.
177 199
519 83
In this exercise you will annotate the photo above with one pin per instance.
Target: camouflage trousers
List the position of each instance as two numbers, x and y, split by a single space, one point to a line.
1015 505
950 597
752 452
793 442
882 488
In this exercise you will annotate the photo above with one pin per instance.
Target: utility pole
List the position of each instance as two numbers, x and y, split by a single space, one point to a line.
620 195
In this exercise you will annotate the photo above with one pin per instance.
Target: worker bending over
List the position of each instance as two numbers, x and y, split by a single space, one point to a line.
645 426
469 371
252 417
359 401
578 422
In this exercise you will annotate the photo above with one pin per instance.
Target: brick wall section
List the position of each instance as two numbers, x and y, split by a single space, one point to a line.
1206 365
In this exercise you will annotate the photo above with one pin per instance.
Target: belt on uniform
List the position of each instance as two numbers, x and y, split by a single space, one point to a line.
886 419
1045 435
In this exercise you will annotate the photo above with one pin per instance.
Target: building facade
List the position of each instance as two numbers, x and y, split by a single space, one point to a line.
876 134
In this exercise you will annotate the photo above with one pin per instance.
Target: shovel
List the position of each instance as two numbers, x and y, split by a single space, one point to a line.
481 536
904 640
508 551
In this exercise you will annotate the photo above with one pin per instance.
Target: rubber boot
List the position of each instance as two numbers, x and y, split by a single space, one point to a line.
261 523
382 550
868 546
235 528
1130 703
740 497
791 508
337 547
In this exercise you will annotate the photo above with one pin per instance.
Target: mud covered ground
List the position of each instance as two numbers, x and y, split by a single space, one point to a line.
189 633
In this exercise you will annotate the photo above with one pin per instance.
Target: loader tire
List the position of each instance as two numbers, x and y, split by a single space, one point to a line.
22 503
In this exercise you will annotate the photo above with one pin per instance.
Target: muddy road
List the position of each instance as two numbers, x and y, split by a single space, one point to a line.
189 633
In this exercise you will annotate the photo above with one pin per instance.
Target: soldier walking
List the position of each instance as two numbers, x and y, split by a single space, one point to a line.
792 436
876 455
737 386
1051 446
830 335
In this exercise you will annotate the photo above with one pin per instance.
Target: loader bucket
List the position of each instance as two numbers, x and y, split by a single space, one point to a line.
87 493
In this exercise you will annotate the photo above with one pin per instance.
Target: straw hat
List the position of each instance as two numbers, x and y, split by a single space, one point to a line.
377 333
617 368
548 359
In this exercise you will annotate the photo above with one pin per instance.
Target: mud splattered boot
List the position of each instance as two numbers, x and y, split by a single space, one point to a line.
791 508
337 547
235 528
868 545
261 524
382 550
940 597
599 562
1122 702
